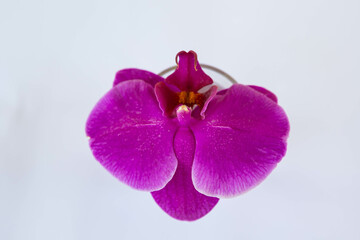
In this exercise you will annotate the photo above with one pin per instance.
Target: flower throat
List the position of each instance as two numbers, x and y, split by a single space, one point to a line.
191 98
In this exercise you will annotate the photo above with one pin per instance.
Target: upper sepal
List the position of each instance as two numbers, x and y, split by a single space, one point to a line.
188 76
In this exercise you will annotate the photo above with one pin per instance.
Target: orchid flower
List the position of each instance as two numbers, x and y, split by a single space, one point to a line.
187 146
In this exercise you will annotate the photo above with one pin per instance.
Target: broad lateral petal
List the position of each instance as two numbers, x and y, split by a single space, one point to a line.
129 136
189 75
239 143
179 198
134 73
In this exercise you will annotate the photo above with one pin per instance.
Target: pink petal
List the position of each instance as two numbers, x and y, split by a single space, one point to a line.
130 137
188 76
264 91
138 74
179 198
239 143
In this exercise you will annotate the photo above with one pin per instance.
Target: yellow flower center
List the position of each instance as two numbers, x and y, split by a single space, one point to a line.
191 98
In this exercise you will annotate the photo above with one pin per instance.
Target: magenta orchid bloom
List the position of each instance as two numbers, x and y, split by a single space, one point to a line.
186 146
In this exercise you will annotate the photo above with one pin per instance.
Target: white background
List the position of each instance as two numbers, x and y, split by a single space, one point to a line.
57 58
